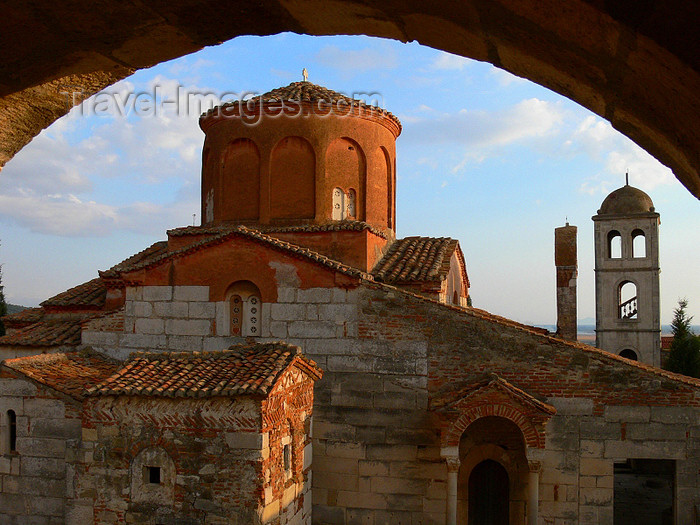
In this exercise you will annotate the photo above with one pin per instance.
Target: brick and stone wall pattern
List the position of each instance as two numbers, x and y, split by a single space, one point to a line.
33 477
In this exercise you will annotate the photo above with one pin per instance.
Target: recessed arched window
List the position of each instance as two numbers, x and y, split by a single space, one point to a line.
629 354
245 309
639 244
614 245
627 300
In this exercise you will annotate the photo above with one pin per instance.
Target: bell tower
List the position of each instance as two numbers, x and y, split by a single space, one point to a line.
627 276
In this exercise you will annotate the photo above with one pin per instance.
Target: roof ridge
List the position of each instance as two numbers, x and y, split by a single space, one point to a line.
504 321
251 234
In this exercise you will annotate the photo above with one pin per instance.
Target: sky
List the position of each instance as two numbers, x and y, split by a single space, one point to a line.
484 157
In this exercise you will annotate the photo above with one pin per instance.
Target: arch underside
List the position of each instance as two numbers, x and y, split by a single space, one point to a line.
633 63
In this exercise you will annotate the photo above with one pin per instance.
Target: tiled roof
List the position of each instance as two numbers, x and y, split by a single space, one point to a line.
50 332
89 294
666 341
451 397
255 235
308 92
326 227
23 318
70 373
416 259
154 251
241 370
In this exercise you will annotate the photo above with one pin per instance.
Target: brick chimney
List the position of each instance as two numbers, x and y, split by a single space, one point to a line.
567 271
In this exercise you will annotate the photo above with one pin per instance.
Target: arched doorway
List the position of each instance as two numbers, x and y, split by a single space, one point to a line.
488 494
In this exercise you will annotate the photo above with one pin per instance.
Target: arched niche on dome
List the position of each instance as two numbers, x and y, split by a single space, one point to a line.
379 188
293 179
239 193
346 169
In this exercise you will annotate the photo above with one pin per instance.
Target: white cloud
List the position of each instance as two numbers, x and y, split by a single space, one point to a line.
505 78
51 185
449 61
596 138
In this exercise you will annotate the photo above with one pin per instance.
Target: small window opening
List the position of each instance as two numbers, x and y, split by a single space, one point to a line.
12 427
152 475
627 300
287 457
629 354
639 244
614 245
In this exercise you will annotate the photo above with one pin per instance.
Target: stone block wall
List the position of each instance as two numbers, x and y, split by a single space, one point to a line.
33 476
376 446
210 454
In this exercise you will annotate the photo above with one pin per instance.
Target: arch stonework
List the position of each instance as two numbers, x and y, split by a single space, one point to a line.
534 436
635 65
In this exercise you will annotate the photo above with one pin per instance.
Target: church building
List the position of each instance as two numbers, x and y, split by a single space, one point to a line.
291 361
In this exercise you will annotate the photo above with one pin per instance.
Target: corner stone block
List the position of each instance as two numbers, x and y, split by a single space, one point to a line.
572 406
247 440
191 293
628 414
188 327
38 407
16 387
286 295
314 295
157 293
134 293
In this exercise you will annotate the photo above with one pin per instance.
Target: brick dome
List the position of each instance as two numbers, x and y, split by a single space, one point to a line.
625 201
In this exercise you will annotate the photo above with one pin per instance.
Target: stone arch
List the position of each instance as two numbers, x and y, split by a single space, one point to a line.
293 179
153 476
623 64
244 303
534 436
639 243
627 302
239 191
614 245
346 168
500 440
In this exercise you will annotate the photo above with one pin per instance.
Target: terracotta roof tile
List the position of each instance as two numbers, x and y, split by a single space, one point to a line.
309 92
416 259
154 251
50 332
89 294
23 318
329 226
69 373
241 370
242 231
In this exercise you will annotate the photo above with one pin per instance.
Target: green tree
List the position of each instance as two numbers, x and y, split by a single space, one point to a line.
684 357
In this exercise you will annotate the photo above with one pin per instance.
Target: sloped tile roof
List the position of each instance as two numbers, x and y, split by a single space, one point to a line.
255 235
308 92
155 250
70 373
241 370
89 294
50 332
23 318
416 259
326 227
448 399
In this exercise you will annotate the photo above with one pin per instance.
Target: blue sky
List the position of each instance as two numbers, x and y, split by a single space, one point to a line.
485 157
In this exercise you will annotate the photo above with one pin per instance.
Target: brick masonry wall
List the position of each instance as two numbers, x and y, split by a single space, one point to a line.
34 476
385 354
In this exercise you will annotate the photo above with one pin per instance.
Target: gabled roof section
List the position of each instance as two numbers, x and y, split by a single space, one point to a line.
241 370
416 259
70 373
49 332
240 231
451 400
23 318
304 228
91 294
154 251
